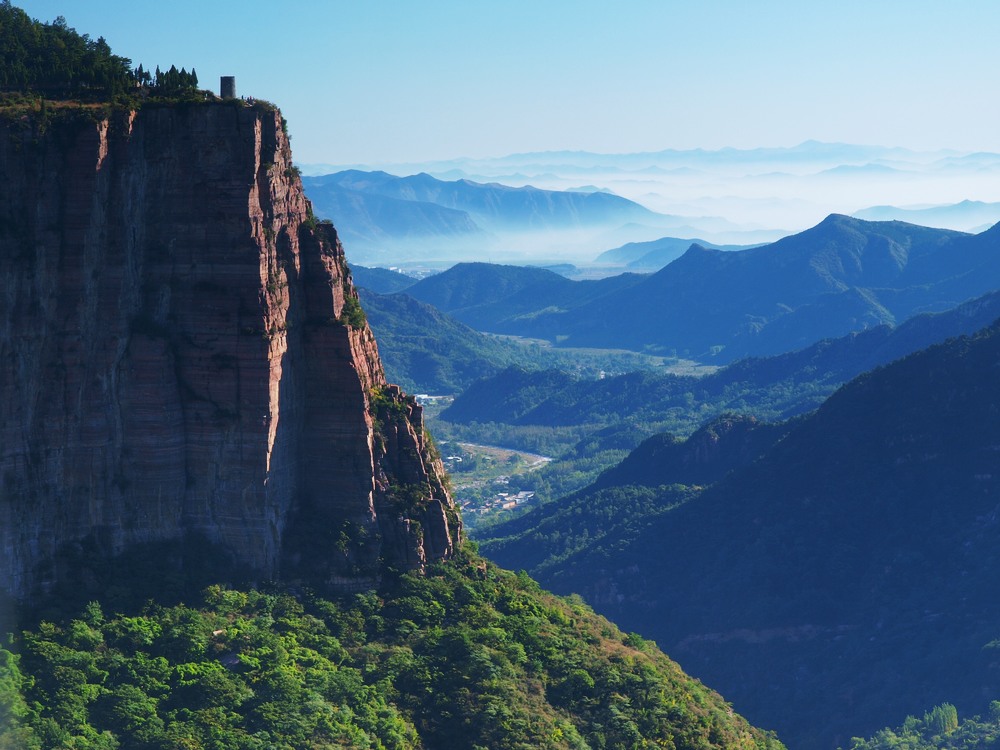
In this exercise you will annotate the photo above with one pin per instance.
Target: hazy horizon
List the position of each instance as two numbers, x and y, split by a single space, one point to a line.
725 196
462 90
397 82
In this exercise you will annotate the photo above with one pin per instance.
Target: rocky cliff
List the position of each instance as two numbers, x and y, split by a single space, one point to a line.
182 356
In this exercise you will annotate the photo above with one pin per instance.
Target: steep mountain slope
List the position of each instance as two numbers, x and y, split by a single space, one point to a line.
724 444
710 298
851 567
184 358
657 476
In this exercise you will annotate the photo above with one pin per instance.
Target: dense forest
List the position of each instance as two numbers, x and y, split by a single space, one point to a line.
54 61
468 656
848 569
589 424
938 729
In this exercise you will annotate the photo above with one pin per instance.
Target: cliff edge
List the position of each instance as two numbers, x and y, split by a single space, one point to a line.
183 357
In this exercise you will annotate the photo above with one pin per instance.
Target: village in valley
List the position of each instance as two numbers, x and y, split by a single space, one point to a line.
485 479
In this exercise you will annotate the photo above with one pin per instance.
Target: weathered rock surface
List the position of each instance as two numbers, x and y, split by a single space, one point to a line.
176 361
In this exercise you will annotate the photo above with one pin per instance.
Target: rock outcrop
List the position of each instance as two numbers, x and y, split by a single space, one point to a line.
182 355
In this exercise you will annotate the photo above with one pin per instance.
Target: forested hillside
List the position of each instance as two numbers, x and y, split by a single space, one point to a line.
768 387
511 299
849 569
427 351
468 656
380 280
940 728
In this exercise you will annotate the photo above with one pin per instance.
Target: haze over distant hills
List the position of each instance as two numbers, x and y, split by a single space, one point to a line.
738 196
967 215
842 275
384 218
654 255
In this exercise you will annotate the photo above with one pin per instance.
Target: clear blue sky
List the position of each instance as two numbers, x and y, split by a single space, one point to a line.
386 80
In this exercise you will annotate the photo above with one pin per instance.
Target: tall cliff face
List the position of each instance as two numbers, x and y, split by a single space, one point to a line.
181 358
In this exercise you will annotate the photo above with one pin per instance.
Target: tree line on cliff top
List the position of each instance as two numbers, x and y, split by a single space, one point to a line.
53 60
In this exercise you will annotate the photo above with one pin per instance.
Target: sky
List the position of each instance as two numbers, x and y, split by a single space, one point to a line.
386 81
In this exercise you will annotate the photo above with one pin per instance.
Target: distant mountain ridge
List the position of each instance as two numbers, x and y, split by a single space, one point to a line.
373 221
842 275
508 299
696 186
380 211
381 280
808 152
496 206
967 215
655 254
424 350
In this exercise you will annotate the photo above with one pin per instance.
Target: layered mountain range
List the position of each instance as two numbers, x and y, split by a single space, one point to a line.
763 193
962 215
190 387
842 275
826 573
184 359
383 216
779 386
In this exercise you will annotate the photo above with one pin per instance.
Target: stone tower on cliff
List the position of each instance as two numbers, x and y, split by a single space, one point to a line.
183 356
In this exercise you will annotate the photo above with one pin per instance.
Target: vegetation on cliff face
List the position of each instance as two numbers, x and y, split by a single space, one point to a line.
468 656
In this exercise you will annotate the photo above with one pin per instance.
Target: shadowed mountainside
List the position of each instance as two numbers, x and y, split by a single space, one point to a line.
849 569
771 387
842 275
